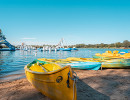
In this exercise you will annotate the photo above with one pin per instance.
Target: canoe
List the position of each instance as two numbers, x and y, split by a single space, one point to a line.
84 65
58 83
116 63
76 63
83 59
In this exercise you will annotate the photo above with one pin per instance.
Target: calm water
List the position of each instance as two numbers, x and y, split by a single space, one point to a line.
12 62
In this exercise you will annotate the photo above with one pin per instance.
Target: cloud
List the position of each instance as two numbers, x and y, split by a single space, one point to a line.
28 38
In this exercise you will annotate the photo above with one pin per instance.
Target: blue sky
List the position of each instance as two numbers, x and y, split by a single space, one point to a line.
77 21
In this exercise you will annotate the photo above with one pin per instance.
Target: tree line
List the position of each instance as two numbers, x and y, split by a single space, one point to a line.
124 44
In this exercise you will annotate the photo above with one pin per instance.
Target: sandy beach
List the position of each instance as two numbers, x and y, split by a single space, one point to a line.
108 84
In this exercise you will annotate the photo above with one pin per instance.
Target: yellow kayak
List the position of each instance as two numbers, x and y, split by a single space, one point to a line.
70 60
83 59
110 55
109 63
53 81
116 63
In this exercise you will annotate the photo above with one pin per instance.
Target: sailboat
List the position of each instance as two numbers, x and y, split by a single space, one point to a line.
62 47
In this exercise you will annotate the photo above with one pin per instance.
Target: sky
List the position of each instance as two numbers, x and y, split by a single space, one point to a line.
77 21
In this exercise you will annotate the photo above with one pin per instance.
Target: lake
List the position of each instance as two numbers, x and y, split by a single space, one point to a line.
12 62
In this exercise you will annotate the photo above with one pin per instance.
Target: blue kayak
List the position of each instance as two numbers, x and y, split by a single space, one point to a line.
85 65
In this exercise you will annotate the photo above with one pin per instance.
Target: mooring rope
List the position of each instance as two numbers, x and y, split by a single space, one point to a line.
75 79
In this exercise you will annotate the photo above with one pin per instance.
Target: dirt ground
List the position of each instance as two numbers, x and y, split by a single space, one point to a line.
109 84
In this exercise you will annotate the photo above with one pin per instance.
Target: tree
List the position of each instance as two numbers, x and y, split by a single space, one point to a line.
102 45
80 45
112 45
126 43
118 44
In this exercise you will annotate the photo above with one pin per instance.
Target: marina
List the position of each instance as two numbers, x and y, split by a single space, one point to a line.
59 47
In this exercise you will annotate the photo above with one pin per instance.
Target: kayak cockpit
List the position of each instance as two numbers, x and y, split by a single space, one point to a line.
38 66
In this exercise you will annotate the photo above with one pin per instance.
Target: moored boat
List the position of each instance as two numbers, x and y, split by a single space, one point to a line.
116 63
65 49
110 55
58 83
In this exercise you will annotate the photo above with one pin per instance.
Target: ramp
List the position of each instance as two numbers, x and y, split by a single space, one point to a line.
4 41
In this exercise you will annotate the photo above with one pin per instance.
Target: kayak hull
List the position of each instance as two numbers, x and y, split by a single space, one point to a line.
116 63
106 57
85 65
115 55
53 84
76 63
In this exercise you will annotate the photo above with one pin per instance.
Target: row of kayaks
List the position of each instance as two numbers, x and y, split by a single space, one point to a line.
90 63
54 77
105 60
114 59
76 64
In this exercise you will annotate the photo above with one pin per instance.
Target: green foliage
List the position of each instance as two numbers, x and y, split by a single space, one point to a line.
125 44
80 46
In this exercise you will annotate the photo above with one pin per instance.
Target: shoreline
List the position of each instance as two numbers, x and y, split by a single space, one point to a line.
13 77
99 85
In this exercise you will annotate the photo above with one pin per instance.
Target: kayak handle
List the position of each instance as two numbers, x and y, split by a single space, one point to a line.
75 78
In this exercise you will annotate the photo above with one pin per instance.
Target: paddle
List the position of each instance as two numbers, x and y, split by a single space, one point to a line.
46 70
